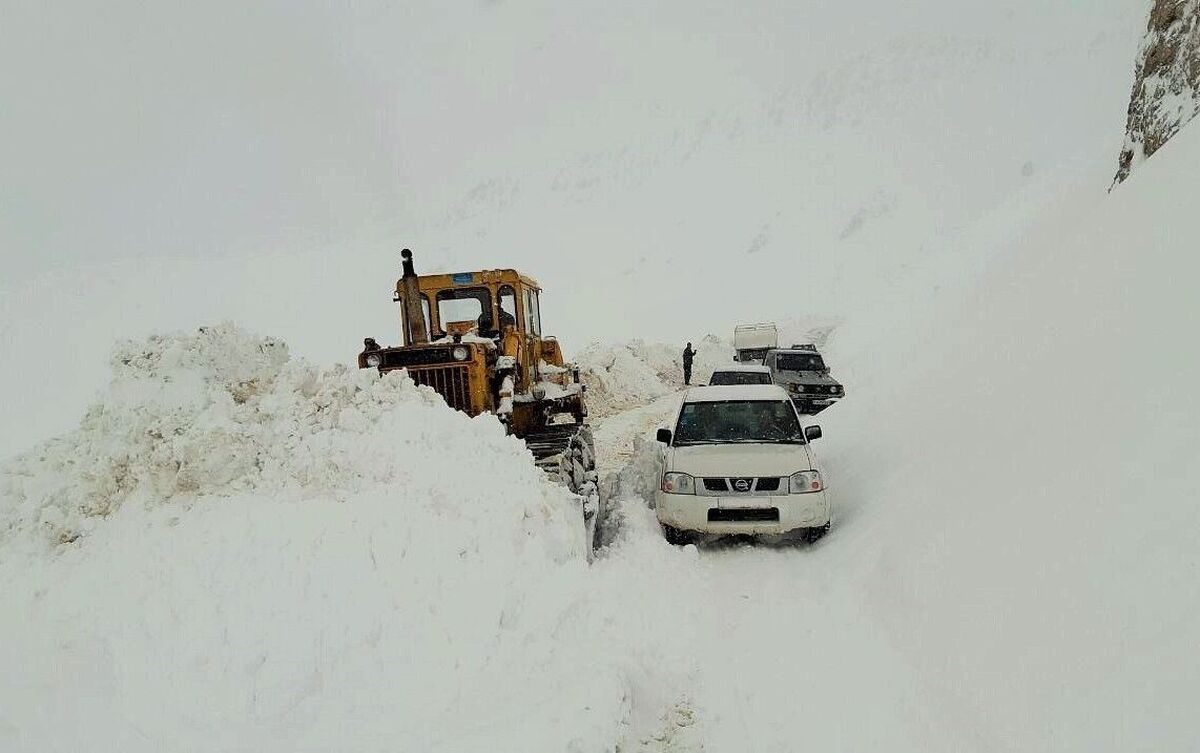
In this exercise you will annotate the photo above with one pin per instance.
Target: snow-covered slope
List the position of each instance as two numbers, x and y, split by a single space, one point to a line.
1018 477
1013 561
664 169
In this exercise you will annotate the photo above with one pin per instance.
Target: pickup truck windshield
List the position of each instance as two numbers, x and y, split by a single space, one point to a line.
799 362
740 377
772 421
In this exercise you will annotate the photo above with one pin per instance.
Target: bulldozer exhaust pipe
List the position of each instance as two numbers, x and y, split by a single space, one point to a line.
413 312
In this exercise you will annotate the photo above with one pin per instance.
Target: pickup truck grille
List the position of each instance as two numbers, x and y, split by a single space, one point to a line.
741 485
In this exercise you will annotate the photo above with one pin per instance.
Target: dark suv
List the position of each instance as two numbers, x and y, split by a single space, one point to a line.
802 372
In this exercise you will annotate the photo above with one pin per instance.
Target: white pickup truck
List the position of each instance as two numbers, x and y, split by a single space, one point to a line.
738 461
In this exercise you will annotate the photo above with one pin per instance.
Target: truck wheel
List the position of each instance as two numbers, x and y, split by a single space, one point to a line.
675 536
813 535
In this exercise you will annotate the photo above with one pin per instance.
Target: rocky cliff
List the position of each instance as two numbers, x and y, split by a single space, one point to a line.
1166 88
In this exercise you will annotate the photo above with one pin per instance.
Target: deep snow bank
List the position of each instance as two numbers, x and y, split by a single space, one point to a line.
1016 476
240 551
625 375
221 411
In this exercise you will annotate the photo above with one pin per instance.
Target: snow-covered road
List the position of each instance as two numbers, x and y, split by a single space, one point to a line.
615 434
783 646
793 658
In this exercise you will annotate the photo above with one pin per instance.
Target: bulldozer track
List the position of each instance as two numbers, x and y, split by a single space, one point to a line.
567 453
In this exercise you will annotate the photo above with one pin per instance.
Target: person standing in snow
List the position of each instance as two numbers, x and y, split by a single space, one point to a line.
689 355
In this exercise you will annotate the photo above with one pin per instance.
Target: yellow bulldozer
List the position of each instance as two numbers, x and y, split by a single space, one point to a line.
476 339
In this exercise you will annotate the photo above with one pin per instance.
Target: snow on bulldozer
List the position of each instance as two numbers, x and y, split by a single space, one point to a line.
476 339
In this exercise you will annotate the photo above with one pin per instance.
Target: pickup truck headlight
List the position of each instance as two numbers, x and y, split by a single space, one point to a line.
373 360
806 482
678 483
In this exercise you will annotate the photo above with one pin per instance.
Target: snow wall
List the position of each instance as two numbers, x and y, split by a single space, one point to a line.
237 550
625 375
1016 471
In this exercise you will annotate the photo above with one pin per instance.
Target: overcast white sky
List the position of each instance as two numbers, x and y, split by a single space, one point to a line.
664 168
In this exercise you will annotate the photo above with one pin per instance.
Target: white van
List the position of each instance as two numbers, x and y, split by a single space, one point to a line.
752 341
738 461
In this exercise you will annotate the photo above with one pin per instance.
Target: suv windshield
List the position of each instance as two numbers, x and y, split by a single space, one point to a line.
740 377
738 421
799 362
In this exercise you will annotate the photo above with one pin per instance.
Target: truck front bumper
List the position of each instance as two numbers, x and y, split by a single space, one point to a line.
745 515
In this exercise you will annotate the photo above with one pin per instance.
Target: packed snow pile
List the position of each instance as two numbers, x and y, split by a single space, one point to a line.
220 411
629 374
625 375
1166 87
240 551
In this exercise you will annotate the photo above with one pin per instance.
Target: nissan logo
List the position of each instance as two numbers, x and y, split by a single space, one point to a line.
741 484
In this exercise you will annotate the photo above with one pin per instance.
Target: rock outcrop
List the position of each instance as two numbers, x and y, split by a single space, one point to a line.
1166 88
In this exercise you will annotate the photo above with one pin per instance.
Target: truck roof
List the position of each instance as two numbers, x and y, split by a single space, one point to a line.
755 336
736 392
763 325
753 368
810 349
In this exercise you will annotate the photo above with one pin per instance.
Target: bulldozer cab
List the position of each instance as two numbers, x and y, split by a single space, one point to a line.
501 305
485 304
476 338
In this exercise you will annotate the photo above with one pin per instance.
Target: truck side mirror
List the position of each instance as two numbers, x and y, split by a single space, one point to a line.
664 436
812 432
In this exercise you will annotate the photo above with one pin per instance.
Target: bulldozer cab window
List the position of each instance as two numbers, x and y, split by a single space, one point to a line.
508 307
465 305
533 316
